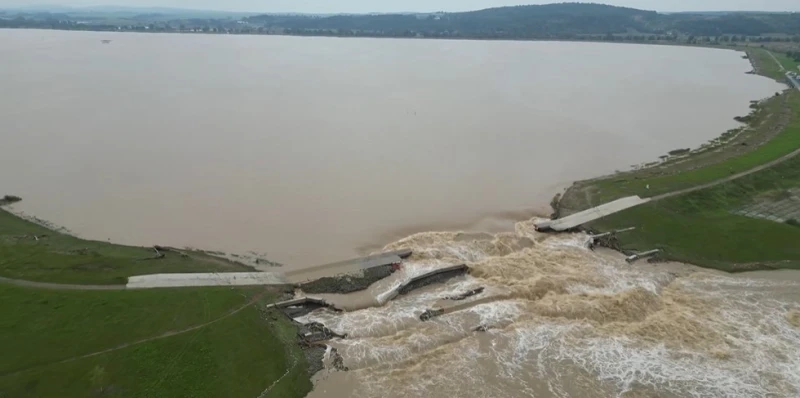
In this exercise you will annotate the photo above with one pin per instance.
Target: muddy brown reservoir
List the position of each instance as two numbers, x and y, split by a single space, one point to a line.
314 150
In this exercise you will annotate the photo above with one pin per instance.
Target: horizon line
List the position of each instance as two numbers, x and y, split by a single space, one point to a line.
43 7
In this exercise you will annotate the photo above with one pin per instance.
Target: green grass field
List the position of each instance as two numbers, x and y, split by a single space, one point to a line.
700 227
146 343
788 63
44 326
62 258
766 64
240 356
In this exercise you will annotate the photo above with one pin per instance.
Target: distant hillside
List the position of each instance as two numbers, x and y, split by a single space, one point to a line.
540 21
580 21
519 22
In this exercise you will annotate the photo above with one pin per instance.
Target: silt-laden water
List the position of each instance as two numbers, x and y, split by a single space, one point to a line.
558 320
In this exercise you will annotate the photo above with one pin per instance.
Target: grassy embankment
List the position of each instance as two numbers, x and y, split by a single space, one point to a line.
196 344
766 65
700 227
709 165
60 258
788 63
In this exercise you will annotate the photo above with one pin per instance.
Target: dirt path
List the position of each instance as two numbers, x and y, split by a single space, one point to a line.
58 286
171 333
776 61
729 178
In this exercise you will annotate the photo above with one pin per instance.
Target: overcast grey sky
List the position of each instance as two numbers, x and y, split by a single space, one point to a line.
331 6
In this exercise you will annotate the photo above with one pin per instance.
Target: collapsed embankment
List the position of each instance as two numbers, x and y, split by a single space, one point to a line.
312 336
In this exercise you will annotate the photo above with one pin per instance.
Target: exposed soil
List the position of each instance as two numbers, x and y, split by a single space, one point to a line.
315 355
347 283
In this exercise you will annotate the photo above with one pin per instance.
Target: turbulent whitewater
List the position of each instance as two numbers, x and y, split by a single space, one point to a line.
558 320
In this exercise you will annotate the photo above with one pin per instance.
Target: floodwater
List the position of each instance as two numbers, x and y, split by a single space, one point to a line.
314 150
558 320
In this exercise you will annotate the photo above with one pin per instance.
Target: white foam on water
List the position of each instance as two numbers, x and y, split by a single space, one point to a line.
556 312
489 314
426 336
572 241
685 373
407 272
621 279
396 315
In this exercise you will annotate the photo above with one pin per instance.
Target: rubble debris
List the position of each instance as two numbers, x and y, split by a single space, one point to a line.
170 249
338 361
293 308
315 331
430 314
464 296
347 283
637 256
315 357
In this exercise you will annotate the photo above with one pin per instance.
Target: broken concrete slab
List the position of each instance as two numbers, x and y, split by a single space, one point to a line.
302 306
586 216
437 276
352 266
347 283
637 256
205 279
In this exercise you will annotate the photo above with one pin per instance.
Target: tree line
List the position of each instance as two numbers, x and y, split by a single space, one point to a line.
566 21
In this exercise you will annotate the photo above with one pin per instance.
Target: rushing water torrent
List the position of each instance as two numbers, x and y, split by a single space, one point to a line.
558 320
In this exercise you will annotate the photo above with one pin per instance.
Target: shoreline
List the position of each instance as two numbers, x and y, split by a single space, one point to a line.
752 174
260 237
721 144
728 145
266 263
476 38
670 159
738 47
38 221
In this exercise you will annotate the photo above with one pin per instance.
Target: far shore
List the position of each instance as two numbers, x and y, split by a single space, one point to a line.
734 46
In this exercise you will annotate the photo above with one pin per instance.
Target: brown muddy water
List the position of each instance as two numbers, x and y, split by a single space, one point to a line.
558 320
314 150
